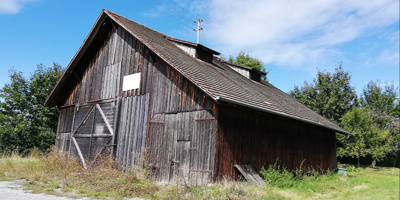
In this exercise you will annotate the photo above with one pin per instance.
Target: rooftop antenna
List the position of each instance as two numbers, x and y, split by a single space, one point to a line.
198 28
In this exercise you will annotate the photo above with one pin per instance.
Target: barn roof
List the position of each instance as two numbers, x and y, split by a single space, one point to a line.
218 80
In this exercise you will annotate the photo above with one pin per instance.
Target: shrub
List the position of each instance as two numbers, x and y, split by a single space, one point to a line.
351 168
279 177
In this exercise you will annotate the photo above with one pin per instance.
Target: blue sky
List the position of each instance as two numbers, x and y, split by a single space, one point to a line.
295 39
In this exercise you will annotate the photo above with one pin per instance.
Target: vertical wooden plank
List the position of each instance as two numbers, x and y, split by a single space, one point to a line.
142 124
134 57
122 138
122 132
144 131
113 43
130 136
116 127
119 45
150 73
143 75
134 128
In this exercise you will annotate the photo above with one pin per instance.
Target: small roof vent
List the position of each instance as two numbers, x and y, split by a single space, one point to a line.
196 50
246 71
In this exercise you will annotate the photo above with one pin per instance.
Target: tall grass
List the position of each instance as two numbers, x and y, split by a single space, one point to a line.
56 173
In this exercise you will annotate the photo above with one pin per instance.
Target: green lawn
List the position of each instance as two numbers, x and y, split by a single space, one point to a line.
377 183
55 174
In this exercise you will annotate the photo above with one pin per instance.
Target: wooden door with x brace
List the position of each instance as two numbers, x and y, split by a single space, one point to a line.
93 131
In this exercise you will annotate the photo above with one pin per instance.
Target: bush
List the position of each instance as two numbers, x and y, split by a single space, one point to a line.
351 168
281 177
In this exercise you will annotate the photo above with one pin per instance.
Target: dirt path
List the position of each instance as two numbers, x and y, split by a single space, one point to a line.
13 190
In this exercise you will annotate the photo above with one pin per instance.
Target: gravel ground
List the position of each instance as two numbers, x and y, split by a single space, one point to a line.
13 190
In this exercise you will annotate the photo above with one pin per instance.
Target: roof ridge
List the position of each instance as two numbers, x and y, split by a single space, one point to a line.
113 13
183 41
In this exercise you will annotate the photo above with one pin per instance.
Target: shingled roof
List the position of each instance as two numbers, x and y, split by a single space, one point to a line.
218 80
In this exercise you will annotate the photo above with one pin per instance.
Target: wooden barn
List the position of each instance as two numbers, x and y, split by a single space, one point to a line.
136 93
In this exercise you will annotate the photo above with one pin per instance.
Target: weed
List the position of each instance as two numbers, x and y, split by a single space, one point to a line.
56 173
280 177
351 168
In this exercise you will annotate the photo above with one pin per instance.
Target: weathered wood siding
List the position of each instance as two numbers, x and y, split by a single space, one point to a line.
64 128
132 130
172 93
183 147
176 145
121 54
246 137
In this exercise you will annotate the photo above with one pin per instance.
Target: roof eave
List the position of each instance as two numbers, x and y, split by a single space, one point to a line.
223 99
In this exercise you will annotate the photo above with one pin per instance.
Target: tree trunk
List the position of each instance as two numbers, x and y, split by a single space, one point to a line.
358 162
373 164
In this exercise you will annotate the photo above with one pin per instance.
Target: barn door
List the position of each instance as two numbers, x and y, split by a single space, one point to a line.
92 131
202 148
179 127
182 147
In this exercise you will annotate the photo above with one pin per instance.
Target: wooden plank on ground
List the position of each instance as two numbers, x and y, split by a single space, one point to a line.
249 174
255 174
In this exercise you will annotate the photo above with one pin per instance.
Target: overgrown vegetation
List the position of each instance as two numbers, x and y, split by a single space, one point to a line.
281 177
55 173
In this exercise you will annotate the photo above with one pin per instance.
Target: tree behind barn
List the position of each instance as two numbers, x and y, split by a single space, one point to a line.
381 100
330 94
24 121
367 137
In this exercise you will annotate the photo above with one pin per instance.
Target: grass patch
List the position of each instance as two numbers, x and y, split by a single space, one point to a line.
57 174
363 183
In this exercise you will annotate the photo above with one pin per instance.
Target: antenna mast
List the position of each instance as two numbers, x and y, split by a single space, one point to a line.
198 28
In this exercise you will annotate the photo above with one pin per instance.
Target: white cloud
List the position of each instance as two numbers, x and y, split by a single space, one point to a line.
294 33
12 6
390 55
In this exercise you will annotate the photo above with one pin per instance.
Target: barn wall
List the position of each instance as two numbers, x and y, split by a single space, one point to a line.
260 139
102 78
163 91
175 105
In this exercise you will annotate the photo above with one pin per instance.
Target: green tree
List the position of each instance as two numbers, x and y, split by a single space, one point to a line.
330 94
366 139
25 122
380 99
356 121
246 60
